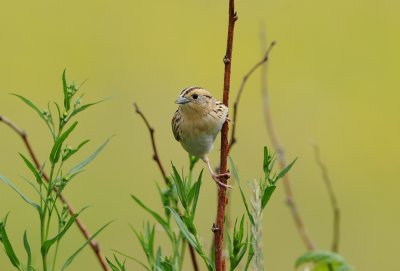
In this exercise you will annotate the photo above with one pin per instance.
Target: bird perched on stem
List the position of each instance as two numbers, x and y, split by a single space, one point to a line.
197 122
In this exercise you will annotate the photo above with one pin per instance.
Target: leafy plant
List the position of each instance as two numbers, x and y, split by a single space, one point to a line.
53 216
323 261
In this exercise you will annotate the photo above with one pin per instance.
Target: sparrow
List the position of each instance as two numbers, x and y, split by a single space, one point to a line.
197 122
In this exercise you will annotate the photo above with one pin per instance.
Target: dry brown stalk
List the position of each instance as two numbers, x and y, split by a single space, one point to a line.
241 88
282 161
93 243
222 198
332 198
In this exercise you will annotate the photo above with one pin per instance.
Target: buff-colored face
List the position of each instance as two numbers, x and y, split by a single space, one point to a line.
195 98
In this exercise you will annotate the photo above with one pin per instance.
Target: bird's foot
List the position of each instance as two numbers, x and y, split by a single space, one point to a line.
216 178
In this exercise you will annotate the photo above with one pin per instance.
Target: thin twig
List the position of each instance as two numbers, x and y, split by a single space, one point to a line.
281 159
222 199
241 88
156 158
93 243
160 166
332 198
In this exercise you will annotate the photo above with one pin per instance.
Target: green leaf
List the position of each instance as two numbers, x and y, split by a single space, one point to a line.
73 151
132 258
267 193
33 169
156 216
72 257
284 171
31 105
181 188
48 243
185 231
241 191
7 244
196 188
324 258
266 160
76 169
83 107
26 199
67 97
28 252
56 150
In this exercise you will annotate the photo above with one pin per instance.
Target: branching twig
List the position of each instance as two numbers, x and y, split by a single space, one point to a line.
222 199
282 162
160 166
332 198
93 243
241 88
156 158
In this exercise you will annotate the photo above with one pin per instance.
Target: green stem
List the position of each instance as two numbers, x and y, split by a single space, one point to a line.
182 254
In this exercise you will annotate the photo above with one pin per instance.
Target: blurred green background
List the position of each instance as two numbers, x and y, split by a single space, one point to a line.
333 80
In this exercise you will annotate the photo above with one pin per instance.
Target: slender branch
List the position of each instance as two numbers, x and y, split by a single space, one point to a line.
241 88
282 161
160 166
332 198
93 243
156 158
222 199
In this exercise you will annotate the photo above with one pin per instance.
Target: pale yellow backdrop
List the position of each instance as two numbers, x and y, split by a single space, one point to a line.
334 80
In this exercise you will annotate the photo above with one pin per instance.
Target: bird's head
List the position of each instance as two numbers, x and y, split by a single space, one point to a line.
195 99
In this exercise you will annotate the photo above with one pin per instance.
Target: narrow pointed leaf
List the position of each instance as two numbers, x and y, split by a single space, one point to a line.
82 164
31 105
7 244
33 169
56 150
72 152
72 257
284 171
25 198
28 252
185 231
267 193
241 191
156 216
65 89
196 187
83 107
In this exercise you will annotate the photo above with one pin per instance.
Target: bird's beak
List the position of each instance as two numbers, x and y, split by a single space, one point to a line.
182 100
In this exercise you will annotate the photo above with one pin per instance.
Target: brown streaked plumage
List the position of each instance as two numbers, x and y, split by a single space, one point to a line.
197 122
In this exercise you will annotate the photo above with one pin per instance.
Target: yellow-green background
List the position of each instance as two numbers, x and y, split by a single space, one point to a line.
333 77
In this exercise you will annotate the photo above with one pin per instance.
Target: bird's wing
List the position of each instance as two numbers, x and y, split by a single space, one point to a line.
176 122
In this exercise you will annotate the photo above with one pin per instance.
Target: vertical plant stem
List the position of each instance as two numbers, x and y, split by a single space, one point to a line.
222 198
332 198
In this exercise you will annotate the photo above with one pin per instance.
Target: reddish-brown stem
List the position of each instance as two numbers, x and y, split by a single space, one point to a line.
282 163
241 88
332 198
93 243
222 198
156 158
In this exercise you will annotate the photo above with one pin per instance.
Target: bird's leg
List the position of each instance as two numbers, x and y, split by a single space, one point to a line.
217 176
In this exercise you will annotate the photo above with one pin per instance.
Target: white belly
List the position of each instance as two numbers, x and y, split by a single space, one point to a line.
200 136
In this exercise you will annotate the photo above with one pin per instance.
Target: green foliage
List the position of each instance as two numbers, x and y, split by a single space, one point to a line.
179 198
49 187
237 246
323 261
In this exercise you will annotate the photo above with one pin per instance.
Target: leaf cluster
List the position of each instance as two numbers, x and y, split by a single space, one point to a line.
54 218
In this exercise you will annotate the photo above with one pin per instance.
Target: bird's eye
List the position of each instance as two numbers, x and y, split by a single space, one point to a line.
195 96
